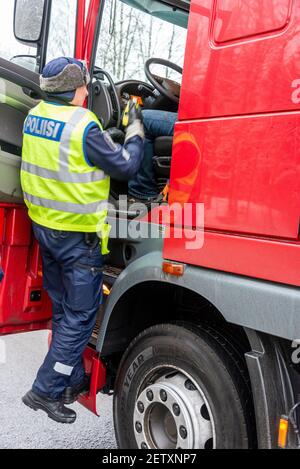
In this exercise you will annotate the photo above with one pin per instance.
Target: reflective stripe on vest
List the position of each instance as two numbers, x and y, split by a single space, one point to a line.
62 175
94 207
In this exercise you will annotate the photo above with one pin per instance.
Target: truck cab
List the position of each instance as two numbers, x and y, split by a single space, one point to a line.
200 321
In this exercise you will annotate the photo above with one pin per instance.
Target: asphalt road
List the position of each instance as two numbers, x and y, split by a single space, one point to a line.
21 427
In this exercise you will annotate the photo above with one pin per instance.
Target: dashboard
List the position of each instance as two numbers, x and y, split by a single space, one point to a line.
129 89
106 107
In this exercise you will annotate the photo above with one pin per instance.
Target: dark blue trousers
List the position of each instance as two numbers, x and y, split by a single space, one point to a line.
72 273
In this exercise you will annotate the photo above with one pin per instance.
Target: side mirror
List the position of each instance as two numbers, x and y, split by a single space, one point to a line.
28 20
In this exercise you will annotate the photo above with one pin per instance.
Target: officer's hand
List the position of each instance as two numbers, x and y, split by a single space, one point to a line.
116 135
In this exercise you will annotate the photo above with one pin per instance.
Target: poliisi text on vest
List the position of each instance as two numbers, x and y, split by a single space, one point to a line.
44 128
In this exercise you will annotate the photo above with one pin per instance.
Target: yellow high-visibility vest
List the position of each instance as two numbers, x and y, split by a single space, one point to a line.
61 189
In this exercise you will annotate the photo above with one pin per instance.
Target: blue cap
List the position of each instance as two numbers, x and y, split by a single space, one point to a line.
56 66
62 76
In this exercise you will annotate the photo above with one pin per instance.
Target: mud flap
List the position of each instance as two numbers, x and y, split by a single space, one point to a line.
93 366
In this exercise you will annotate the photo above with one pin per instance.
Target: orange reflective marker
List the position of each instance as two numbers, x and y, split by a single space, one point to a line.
106 290
283 432
173 269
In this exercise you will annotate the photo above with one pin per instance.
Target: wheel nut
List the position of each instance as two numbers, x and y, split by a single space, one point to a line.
183 432
176 410
149 395
189 385
163 395
140 407
138 427
144 446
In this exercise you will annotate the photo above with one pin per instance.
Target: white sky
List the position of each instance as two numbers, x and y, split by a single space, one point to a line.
8 45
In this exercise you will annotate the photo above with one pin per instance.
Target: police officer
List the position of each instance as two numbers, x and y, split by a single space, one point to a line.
67 162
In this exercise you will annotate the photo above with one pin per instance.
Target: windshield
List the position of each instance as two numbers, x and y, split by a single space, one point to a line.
128 37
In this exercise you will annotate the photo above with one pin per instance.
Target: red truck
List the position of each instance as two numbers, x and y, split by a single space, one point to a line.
199 346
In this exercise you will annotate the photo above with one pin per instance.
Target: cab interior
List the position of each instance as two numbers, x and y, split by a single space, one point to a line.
155 82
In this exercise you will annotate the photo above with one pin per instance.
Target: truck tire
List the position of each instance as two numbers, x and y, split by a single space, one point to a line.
181 386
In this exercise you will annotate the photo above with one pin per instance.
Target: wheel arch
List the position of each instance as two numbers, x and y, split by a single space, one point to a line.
241 301
144 280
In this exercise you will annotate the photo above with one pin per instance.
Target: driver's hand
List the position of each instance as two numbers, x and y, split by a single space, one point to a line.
131 113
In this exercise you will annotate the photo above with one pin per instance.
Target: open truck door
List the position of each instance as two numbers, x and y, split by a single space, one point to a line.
24 305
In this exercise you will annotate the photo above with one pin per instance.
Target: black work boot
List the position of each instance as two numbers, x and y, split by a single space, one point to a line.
54 408
72 393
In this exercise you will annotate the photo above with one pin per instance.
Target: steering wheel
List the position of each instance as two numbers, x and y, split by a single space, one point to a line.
168 88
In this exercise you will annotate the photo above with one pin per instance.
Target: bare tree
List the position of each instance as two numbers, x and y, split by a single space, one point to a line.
62 28
171 44
128 37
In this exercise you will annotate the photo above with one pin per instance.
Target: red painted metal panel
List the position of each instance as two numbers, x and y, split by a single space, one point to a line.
91 23
252 76
236 19
22 298
18 227
264 259
80 23
22 328
245 170
244 167
95 368
86 28
1 223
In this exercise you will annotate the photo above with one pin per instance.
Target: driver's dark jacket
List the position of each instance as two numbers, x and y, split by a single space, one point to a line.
119 162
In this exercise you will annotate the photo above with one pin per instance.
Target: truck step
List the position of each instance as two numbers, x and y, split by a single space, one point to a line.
111 274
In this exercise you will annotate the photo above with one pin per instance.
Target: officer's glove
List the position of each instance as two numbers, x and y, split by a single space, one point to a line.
116 135
133 121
